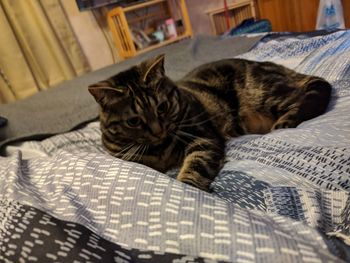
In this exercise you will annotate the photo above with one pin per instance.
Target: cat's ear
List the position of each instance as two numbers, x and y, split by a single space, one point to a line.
153 68
102 89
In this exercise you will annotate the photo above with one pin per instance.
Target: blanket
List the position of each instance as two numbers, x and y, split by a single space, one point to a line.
280 197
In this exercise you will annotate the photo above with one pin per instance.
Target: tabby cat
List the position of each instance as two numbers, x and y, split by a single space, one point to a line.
148 118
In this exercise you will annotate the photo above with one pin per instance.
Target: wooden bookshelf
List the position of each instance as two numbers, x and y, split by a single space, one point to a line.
144 16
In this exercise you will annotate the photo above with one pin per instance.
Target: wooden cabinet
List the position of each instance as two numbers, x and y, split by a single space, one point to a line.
141 20
346 8
294 15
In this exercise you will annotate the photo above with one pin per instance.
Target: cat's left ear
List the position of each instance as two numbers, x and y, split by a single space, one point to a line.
153 68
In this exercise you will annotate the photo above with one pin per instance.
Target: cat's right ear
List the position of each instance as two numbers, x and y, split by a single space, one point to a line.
103 89
153 68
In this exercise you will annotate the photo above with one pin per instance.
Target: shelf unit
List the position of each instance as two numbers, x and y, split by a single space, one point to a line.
121 20
237 12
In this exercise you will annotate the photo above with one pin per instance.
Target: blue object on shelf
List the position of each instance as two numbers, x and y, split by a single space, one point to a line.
250 25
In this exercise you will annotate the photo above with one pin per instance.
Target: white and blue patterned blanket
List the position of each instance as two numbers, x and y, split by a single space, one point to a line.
280 197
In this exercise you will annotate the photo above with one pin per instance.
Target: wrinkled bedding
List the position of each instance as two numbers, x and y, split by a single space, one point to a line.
280 197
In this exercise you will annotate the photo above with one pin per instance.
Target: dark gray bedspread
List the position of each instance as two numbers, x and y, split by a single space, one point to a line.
66 106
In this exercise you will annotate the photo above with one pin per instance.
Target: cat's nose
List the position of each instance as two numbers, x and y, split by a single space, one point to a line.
160 134
156 129
158 137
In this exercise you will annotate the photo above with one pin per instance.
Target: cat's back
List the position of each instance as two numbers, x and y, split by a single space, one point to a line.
240 75
220 69
235 69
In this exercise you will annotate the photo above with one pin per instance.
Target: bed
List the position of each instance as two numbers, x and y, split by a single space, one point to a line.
280 197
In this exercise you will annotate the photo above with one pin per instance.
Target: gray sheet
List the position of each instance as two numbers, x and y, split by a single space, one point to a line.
68 105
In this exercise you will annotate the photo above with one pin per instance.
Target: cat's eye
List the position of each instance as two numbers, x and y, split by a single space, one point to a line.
162 108
134 122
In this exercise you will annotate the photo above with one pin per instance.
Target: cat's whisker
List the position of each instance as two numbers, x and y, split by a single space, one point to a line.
127 147
130 153
193 137
186 113
188 134
136 157
194 123
189 137
124 149
204 121
141 152
136 152
145 150
184 120
179 138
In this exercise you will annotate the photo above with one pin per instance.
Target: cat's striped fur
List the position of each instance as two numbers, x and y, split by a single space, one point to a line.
147 118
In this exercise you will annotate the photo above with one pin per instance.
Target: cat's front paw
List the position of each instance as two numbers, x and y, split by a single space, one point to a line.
284 124
195 180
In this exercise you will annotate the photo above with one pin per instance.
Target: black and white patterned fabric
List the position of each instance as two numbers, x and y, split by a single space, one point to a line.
280 197
33 235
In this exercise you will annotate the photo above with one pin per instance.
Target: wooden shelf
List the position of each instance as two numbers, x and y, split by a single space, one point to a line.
164 43
142 5
238 11
121 21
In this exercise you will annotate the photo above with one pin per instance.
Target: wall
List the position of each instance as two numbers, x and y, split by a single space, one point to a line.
90 35
198 9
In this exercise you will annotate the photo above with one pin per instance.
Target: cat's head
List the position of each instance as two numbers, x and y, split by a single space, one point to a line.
139 105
